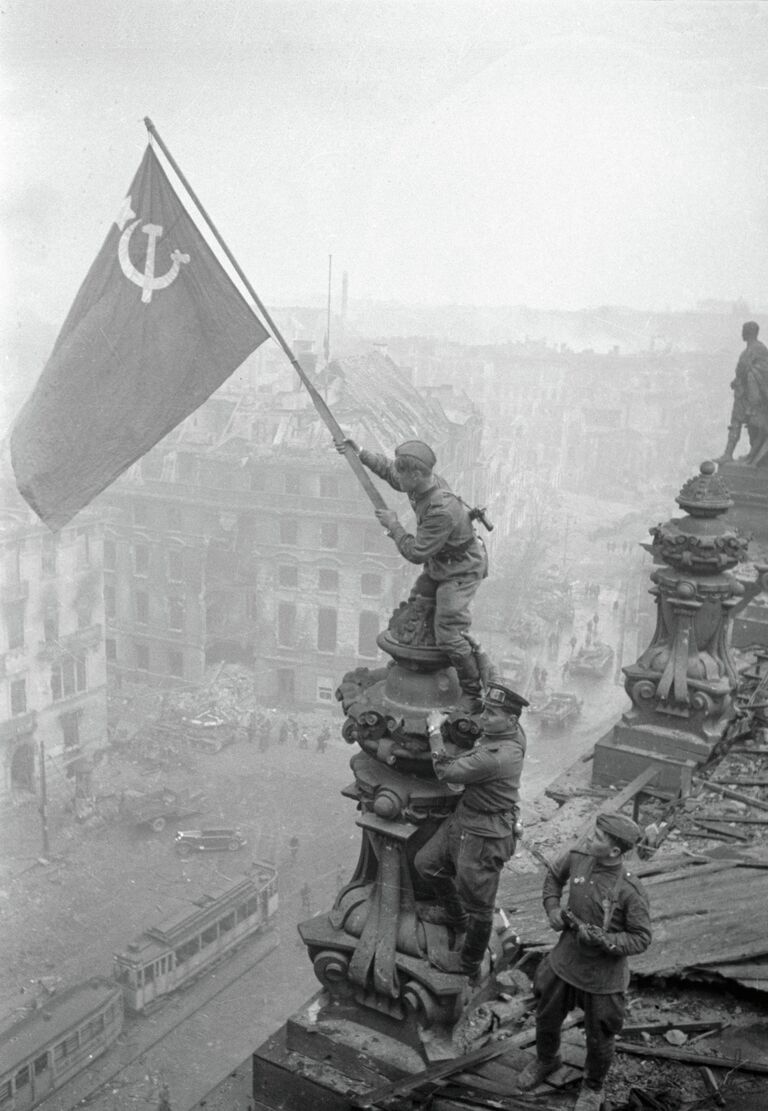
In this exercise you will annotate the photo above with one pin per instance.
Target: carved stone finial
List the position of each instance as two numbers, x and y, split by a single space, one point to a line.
706 494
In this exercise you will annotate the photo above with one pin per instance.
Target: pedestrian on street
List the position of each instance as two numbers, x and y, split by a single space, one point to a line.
293 845
304 741
573 642
595 620
282 735
250 729
605 920
564 670
306 899
323 738
462 861
293 728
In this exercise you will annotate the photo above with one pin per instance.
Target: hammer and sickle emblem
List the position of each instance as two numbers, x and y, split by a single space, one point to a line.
147 280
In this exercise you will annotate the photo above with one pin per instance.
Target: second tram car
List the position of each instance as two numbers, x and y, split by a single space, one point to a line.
44 1049
181 947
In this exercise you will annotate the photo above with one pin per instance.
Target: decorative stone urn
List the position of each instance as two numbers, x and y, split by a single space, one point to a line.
682 685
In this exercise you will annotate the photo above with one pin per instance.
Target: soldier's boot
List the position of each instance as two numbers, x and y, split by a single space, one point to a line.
468 961
590 1099
448 911
536 1072
734 433
468 674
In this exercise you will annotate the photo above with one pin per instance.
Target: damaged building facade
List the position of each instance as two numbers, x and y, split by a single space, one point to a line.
245 537
52 660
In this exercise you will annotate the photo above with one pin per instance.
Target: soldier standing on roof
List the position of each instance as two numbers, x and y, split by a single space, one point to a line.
606 919
454 558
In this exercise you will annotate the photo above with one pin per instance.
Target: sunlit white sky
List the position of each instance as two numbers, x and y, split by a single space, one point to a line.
555 155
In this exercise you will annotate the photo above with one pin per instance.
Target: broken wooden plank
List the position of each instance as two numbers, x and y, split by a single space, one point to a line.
438 1072
712 1086
662 1027
683 874
721 828
708 785
730 818
690 1058
742 781
621 798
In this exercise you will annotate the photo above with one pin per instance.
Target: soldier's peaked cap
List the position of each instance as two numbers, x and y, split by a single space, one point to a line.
504 698
622 829
418 450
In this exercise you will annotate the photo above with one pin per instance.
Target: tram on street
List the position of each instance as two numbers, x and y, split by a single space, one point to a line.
180 948
44 1049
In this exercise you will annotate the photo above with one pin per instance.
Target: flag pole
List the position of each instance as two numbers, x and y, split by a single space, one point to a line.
317 400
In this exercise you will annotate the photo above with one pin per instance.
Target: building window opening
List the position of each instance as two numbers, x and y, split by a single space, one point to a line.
325 687
141 559
142 606
327 579
18 697
327 622
329 535
368 631
289 532
288 576
371 585
286 624
176 613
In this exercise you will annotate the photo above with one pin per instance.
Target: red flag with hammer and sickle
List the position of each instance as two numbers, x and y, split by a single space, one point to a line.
156 327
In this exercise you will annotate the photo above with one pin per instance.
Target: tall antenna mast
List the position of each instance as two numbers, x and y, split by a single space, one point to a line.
327 344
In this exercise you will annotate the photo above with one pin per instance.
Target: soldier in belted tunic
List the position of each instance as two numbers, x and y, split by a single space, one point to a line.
462 862
453 556
605 920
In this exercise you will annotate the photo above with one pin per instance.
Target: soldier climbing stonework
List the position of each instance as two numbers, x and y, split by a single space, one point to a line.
445 543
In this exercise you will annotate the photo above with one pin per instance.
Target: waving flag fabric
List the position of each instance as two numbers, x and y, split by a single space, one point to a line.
156 327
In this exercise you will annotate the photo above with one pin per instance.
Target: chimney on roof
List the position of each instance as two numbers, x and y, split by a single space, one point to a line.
381 347
305 355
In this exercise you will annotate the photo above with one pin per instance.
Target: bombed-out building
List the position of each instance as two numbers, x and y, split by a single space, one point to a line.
245 537
52 663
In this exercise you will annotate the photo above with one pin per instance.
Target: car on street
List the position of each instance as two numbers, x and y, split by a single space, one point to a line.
561 709
208 840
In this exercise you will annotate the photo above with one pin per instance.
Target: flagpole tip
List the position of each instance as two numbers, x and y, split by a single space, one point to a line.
149 125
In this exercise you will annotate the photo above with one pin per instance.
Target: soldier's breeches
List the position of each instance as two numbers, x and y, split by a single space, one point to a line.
472 863
452 617
603 1019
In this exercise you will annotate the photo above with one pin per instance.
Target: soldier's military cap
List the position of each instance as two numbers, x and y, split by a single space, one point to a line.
416 449
623 830
504 698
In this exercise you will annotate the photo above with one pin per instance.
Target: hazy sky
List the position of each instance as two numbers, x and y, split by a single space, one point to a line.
557 155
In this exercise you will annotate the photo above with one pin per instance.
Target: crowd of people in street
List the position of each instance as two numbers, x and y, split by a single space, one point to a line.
260 726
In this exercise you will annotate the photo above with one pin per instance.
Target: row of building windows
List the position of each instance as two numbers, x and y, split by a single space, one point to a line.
69 676
175 608
15 625
174 657
49 555
373 540
141 556
327 629
327 638
371 585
